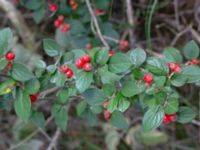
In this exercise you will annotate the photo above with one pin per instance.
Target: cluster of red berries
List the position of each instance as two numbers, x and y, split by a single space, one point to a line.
192 62
67 71
59 23
10 56
84 63
53 7
174 67
148 78
106 113
123 44
169 118
99 12
34 97
73 4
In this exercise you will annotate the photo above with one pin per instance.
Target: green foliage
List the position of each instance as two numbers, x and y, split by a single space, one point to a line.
186 114
191 50
5 40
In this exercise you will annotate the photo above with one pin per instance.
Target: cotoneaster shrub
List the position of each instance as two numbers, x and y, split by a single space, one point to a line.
103 83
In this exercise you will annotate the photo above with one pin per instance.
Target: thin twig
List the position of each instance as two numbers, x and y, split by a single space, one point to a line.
129 12
196 122
30 136
180 34
48 91
94 19
54 139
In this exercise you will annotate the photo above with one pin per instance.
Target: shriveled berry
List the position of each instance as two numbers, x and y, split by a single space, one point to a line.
123 44
10 56
64 68
107 115
9 65
105 104
89 46
194 62
79 63
52 7
148 78
86 58
99 12
69 73
87 67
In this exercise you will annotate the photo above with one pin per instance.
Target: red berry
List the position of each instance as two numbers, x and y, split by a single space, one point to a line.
53 7
64 68
172 117
34 97
111 53
123 44
79 63
148 78
89 46
57 23
72 2
69 73
107 115
10 56
87 67
99 12
105 104
85 58
74 6
194 61
166 119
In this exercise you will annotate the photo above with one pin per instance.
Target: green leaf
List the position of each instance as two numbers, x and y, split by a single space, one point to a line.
32 86
192 73
108 77
171 106
191 50
172 55
160 81
109 89
81 107
157 66
63 95
113 103
178 80
59 79
119 63
123 104
39 14
51 48
94 97
3 63
33 4
83 80
20 72
102 56
22 105
38 119
60 115
6 37
152 119
131 88
102 4
185 114
138 57
77 28
117 119
6 86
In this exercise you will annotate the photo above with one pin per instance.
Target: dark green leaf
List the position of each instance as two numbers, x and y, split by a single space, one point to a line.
102 56
20 72
191 50
178 80
22 105
5 40
119 63
81 107
185 114
157 66
3 63
63 95
192 73
152 119
118 120
94 97
32 86
171 106
102 4
38 119
137 57
51 47
83 80
172 55
39 14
